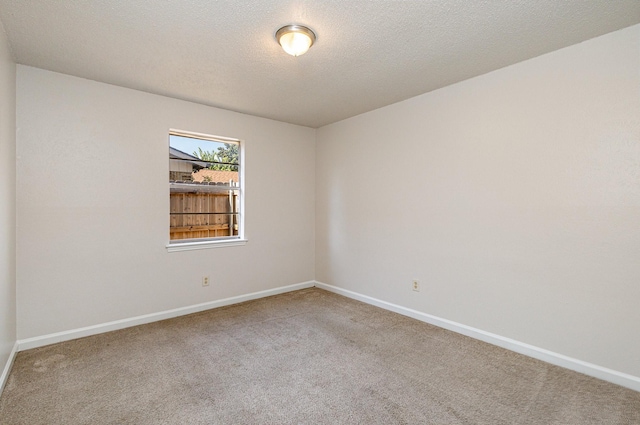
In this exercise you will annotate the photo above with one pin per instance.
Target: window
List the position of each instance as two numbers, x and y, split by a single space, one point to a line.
205 195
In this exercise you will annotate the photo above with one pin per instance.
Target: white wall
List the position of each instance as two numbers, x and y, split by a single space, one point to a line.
92 205
7 201
513 197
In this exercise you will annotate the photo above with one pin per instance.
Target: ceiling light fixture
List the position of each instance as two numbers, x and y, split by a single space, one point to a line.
295 39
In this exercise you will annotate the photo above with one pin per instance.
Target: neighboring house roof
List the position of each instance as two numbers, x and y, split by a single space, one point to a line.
215 176
194 160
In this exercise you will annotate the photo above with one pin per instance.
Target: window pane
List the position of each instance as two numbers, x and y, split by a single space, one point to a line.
203 188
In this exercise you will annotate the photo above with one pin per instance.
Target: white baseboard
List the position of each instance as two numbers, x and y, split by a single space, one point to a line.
40 341
610 375
623 379
7 367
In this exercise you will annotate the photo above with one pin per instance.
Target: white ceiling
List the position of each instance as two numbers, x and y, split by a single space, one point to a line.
368 53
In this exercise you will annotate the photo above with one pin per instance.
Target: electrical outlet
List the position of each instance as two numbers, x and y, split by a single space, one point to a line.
416 285
205 280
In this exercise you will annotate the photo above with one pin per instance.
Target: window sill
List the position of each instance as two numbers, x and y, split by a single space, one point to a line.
190 246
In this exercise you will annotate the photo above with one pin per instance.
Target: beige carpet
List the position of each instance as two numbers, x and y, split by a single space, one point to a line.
307 357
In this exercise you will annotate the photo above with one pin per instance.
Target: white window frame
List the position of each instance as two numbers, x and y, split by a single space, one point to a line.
240 239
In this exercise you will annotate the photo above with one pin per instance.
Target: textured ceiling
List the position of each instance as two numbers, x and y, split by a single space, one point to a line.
368 53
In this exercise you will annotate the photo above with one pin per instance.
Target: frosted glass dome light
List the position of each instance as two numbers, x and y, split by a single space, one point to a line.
295 39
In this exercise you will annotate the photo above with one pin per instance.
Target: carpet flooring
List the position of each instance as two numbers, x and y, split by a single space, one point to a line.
305 357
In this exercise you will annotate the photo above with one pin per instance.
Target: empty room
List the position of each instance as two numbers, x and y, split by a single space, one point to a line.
328 212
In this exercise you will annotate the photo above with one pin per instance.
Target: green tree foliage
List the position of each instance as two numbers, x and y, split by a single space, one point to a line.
222 158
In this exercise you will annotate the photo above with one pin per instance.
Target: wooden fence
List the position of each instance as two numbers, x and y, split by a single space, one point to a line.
203 215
